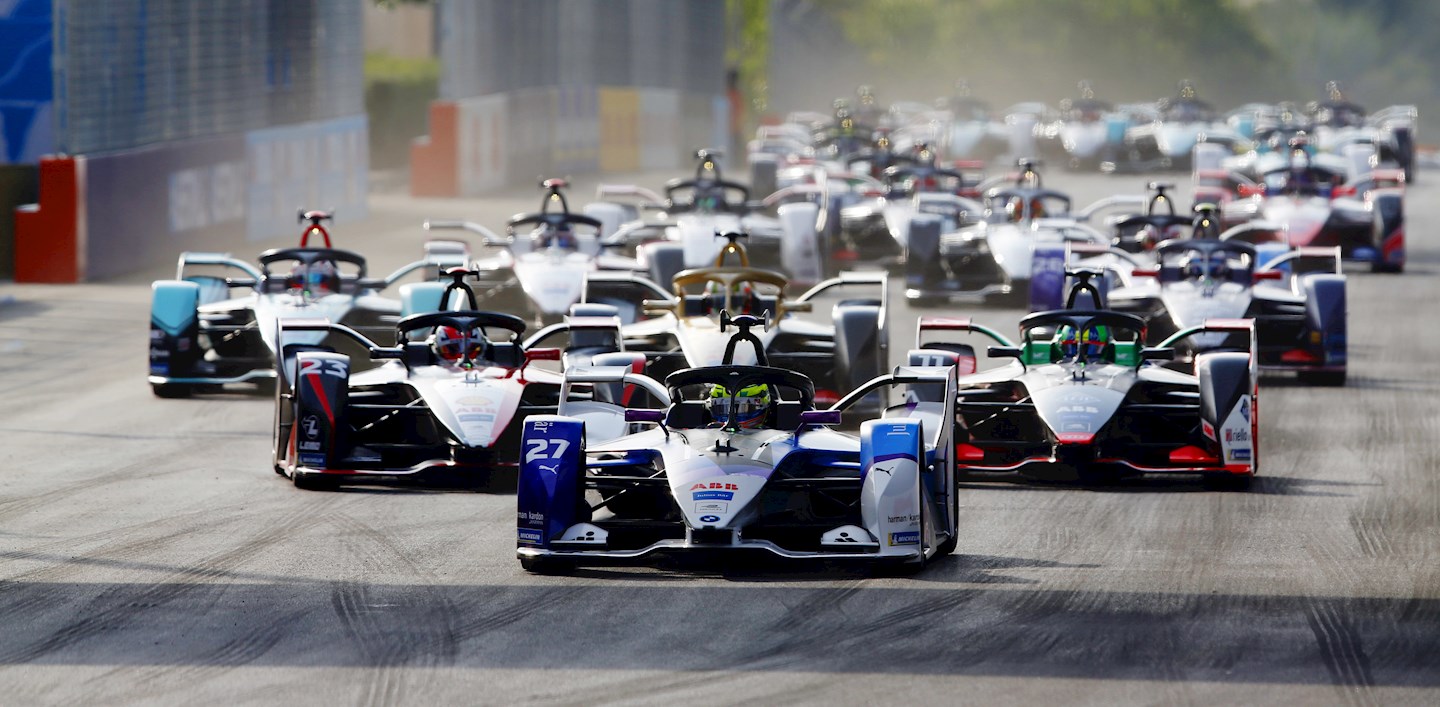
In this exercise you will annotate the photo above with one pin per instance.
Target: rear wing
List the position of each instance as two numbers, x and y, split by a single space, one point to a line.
325 325
193 258
938 418
594 324
490 238
1305 260
1110 202
605 420
960 324
1223 326
627 192
440 254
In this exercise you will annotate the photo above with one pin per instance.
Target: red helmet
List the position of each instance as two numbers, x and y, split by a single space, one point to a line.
455 345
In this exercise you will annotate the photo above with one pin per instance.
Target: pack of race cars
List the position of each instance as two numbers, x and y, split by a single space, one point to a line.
680 396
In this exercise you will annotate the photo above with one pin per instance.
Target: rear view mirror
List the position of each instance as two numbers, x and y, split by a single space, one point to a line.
820 417
542 354
1268 275
1144 272
1004 352
1156 353
656 416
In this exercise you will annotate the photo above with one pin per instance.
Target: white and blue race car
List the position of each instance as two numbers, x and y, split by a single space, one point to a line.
608 481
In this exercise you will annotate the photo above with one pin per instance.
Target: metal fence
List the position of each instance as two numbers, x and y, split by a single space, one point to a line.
139 72
502 46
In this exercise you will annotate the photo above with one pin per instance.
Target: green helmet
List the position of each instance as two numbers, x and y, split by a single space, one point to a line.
747 408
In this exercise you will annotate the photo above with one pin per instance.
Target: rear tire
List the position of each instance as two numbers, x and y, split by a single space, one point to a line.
1327 378
1227 482
172 390
547 565
314 482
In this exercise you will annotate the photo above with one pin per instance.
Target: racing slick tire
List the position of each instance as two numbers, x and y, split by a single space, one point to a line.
547 565
1389 219
764 176
1322 378
172 390
1227 482
664 259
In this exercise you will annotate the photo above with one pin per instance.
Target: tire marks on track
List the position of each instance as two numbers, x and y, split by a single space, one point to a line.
118 606
391 633
1341 650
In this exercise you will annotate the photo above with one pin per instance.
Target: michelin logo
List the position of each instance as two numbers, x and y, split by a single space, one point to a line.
907 538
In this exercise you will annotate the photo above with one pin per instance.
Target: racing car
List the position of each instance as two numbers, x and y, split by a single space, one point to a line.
446 402
737 458
878 228
1182 120
1321 200
999 257
202 336
685 329
540 271
1295 298
1085 399
670 232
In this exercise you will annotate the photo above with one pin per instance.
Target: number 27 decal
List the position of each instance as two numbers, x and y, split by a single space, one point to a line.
546 449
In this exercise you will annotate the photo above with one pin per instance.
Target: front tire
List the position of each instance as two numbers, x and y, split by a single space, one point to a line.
172 391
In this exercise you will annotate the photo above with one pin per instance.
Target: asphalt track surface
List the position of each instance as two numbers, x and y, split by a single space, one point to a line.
149 555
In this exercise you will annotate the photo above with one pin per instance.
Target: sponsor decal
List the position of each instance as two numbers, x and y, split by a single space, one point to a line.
907 538
1239 455
716 485
528 536
310 447
312 459
311 425
1077 410
713 496
159 353
1207 429
482 401
530 516
709 519
1075 427
1245 408
712 507
911 518
1234 435
477 418
160 369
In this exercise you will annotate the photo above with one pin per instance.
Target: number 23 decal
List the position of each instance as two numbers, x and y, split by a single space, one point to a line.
323 367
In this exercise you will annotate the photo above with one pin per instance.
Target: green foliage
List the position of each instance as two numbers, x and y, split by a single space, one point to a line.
382 67
748 40
398 92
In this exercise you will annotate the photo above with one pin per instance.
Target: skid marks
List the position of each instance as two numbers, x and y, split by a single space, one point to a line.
395 630
118 607
1341 650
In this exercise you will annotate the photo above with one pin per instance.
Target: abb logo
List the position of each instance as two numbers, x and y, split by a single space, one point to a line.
715 485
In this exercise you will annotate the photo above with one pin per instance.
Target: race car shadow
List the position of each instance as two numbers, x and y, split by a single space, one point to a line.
958 568
498 482
1263 484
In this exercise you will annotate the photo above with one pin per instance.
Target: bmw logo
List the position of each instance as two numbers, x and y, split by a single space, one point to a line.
709 519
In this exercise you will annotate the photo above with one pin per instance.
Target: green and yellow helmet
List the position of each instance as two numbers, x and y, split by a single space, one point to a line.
746 408
1092 338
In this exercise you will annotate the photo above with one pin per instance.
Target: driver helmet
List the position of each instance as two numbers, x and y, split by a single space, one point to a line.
1193 268
561 236
1037 208
1015 209
742 296
1093 338
747 408
455 345
1219 269
320 277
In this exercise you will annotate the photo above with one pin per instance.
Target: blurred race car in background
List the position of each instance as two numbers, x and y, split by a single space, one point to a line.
202 336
